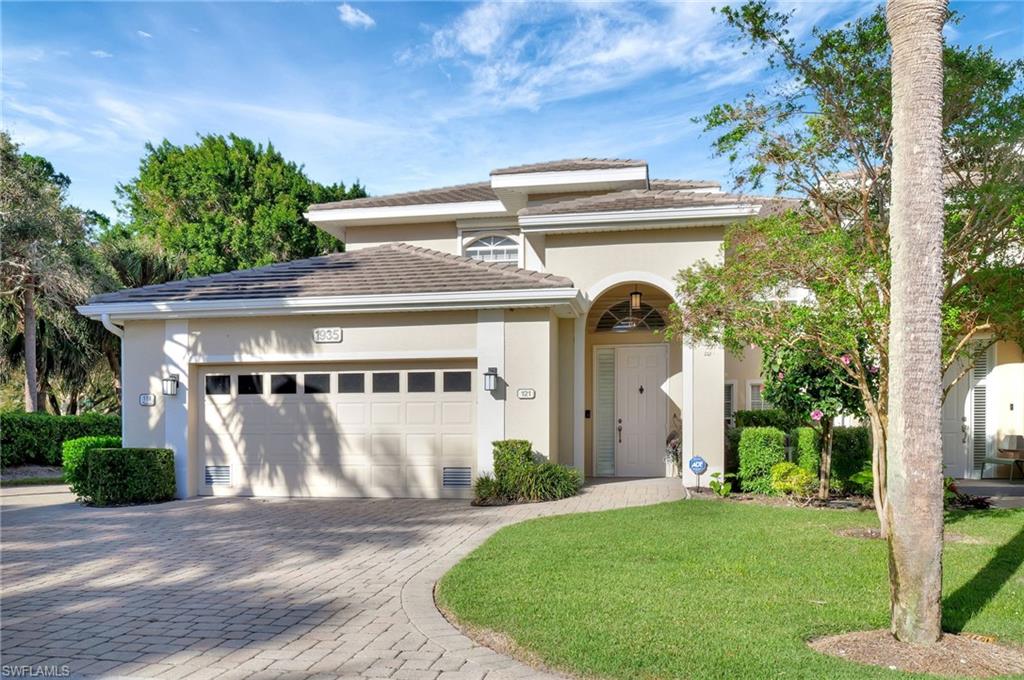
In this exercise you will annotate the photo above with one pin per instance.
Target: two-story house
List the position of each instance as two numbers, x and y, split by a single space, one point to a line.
525 306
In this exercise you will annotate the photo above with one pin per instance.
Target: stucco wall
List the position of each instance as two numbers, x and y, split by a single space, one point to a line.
1009 379
743 369
528 364
437 235
142 371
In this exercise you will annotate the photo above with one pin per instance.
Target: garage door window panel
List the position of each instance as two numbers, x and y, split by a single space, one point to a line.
283 383
316 383
218 385
250 384
458 381
422 381
386 383
351 383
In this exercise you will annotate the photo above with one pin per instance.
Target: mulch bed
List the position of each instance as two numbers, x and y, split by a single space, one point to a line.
956 656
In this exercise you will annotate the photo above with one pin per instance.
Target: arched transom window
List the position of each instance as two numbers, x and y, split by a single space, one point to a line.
621 318
494 249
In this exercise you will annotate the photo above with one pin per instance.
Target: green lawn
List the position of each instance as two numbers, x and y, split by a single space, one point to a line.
706 589
30 481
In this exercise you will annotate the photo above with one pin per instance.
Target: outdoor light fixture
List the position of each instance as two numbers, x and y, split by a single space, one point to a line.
634 299
170 384
491 379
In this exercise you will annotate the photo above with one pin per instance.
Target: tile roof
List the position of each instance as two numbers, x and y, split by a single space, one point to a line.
391 268
572 164
460 193
648 199
665 184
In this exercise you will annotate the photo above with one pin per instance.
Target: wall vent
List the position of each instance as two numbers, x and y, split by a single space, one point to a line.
458 477
218 475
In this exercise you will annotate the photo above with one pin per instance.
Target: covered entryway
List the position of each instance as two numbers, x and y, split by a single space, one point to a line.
628 382
386 429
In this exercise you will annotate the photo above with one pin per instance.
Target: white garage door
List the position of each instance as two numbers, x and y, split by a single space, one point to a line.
390 430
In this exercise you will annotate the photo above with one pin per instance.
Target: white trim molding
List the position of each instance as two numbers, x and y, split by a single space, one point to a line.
662 218
556 179
398 214
331 357
567 302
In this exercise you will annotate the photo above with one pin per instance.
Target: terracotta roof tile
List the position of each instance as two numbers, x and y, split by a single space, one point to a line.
380 270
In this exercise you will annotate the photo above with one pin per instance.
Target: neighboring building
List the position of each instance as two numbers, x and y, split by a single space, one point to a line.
527 306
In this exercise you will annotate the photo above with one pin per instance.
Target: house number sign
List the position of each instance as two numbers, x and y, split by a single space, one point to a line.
327 334
526 393
147 399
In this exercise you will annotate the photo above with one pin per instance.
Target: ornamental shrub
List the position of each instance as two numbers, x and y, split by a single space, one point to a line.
74 451
760 449
851 453
549 482
513 459
518 477
807 444
37 438
732 449
127 476
770 417
789 479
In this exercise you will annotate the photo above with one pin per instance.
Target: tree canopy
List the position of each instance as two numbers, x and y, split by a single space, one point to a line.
227 203
818 272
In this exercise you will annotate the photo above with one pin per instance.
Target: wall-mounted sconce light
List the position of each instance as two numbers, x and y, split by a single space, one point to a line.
635 299
170 385
491 379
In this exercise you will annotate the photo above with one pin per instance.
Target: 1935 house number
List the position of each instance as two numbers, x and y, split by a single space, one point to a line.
327 334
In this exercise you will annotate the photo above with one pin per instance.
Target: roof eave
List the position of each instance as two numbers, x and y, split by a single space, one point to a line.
404 214
566 301
661 218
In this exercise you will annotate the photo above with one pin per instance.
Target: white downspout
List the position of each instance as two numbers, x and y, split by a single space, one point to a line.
109 325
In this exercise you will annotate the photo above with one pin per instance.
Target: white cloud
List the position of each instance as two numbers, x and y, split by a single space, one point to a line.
101 54
143 34
36 111
356 18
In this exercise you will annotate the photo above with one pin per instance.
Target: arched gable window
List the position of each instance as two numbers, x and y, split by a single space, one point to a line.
494 249
620 318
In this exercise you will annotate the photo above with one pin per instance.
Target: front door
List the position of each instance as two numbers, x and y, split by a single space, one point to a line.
955 430
641 410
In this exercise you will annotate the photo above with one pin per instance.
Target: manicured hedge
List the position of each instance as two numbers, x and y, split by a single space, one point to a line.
768 418
806 443
520 478
38 437
851 453
125 476
761 448
732 449
74 451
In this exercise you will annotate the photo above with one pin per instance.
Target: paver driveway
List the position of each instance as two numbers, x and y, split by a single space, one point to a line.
253 588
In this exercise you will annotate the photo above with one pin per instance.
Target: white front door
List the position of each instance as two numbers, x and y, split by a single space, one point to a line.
641 410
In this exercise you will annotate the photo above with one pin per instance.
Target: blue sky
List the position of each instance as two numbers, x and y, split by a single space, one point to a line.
397 95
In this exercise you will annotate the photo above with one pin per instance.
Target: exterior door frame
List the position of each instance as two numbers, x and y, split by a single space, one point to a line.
593 391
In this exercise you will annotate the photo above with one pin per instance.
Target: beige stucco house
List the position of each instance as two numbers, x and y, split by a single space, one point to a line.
525 306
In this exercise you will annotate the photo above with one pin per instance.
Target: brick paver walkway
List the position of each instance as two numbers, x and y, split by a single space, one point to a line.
254 588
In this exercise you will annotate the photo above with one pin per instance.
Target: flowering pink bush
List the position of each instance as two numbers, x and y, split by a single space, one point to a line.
846 359
817 415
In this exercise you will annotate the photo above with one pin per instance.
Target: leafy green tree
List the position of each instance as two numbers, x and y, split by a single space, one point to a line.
798 379
46 267
227 203
817 271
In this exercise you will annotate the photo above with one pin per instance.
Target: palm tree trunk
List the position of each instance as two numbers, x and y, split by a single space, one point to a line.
28 303
914 479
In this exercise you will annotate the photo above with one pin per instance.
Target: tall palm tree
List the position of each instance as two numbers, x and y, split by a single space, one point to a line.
914 476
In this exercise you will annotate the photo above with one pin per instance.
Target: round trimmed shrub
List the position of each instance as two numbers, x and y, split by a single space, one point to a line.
127 476
790 479
808 448
760 449
74 451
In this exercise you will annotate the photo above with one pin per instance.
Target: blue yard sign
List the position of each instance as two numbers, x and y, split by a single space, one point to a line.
698 465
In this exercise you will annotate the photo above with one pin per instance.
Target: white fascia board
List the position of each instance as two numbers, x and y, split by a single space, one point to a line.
660 218
568 298
569 178
397 214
